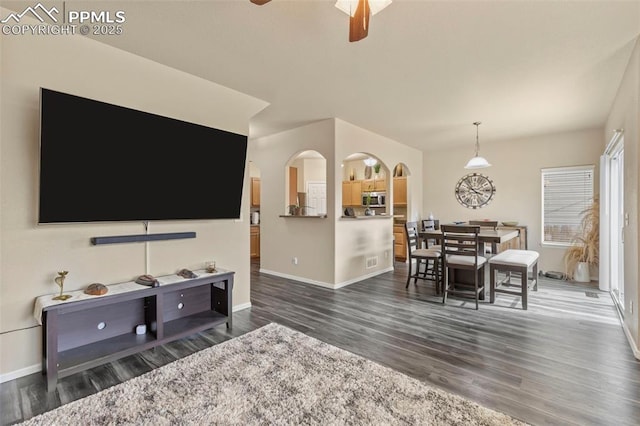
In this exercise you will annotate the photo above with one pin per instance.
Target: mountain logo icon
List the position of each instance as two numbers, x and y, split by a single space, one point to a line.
38 11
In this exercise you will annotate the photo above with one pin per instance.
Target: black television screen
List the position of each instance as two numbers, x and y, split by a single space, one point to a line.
103 162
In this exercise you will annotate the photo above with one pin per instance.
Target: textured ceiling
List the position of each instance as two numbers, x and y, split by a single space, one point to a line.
425 73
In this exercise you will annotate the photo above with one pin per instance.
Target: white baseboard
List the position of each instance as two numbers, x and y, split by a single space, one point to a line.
363 277
322 283
627 332
20 373
242 306
38 367
632 343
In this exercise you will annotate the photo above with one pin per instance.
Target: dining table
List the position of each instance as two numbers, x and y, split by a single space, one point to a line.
486 236
495 237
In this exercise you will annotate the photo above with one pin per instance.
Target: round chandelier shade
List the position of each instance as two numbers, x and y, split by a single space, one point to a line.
477 162
370 161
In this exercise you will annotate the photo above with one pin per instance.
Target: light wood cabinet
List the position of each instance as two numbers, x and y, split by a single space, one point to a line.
255 192
374 185
254 240
399 243
400 191
352 193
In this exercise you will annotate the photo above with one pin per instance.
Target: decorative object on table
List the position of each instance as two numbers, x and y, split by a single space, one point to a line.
96 289
187 274
302 199
477 162
210 267
294 210
585 250
510 223
60 281
475 190
147 280
349 212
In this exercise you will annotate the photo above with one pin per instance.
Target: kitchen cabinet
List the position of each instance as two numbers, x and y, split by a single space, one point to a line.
399 243
255 192
352 193
378 185
400 191
254 240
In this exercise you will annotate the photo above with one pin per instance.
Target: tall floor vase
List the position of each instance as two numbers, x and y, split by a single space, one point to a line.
581 274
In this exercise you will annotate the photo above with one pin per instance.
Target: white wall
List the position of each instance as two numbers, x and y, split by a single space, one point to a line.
254 171
355 240
624 115
283 238
331 251
31 254
515 171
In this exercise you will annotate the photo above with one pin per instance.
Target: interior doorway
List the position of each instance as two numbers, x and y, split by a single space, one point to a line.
317 197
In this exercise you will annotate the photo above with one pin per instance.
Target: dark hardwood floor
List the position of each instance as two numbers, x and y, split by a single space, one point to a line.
564 361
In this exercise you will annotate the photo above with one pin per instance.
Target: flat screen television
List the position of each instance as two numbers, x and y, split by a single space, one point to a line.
101 162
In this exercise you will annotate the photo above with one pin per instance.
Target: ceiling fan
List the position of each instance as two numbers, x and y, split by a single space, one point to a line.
358 16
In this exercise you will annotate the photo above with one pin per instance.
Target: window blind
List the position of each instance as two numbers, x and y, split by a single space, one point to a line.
566 193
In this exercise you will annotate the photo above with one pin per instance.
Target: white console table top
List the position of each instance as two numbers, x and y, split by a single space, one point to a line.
46 300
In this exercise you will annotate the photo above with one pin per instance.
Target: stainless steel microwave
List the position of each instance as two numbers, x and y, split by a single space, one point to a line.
378 199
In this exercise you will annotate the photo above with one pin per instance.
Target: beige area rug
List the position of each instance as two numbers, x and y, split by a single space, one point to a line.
272 376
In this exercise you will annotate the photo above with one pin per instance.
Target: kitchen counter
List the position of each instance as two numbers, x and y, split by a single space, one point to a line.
378 216
322 216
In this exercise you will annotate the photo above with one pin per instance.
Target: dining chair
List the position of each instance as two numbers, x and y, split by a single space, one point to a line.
491 225
430 243
460 251
430 258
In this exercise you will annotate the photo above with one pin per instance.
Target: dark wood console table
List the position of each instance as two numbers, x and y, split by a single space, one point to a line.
81 334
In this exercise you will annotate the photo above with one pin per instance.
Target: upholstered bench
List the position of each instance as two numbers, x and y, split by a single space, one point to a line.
510 261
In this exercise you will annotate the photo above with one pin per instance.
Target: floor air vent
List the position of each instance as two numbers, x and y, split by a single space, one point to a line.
592 294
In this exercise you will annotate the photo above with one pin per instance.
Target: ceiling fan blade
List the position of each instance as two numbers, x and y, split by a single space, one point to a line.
359 23
259 2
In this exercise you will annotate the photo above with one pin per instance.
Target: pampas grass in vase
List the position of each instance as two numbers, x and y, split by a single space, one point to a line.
586 243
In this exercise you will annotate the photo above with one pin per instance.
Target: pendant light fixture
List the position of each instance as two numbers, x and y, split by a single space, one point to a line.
370 162
477 162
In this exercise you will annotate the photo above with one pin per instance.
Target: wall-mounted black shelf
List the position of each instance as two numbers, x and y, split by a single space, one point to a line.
117 239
